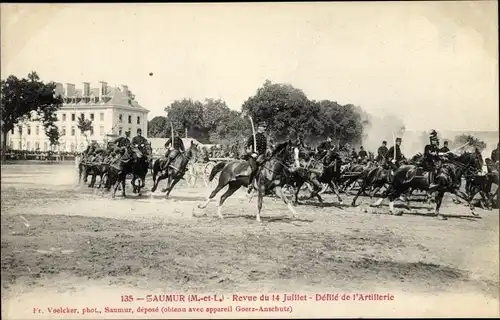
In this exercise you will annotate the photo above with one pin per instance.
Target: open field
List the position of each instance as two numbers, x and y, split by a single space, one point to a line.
76 243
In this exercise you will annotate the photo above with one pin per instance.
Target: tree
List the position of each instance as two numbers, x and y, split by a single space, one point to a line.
235 128
470 141
84 125
158 127
186 116
344 123
285 108
27 99
53 135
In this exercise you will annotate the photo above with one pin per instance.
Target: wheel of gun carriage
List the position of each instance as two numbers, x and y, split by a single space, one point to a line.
206 175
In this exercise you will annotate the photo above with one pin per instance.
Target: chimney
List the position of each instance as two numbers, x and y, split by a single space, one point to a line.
59 90
125 90
86 89
104 88
70 90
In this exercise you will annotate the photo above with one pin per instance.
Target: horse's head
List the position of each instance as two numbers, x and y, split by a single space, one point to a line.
283 151
136 152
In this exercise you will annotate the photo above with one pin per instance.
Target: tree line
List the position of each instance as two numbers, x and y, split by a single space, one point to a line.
287 110
289 113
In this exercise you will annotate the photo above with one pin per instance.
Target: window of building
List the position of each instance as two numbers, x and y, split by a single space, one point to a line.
72 147
92 117
45 146
29 130
37 130
72 131
120 117
92 130
101 116
129 119
138 120
130 130
28 145
63 130
20 130
37 146
138 130
64 117
73 117
101 130
82 115
120 131
20 145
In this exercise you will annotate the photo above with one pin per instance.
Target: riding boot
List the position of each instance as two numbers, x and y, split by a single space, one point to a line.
253 165
432 181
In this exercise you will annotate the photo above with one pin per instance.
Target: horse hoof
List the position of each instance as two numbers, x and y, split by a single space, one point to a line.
441 217
353 204
399 213
164 190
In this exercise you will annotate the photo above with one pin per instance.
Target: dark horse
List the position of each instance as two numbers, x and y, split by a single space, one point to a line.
119 168
448 179
141 167
323 168
235 174
175 171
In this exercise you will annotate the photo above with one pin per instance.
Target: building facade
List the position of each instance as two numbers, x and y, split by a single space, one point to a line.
110 109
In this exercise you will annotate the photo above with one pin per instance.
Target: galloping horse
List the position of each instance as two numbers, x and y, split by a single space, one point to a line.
323 168
141 167
235 174
119 168
447 179
175 171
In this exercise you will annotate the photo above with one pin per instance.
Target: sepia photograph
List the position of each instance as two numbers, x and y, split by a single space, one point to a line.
250 160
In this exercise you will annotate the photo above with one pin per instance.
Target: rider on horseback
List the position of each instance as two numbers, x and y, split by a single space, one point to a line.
325 146
122 144
399 156
257 153
299 155
431 157
173 150
140 142
382 152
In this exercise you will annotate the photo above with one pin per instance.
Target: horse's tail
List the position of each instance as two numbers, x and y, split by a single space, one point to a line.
218 167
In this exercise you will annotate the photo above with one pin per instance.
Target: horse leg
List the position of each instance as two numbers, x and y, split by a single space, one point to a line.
232 187
169 180
123 178
439 200
155 183
279 191
132 183
297 190
261 190
223 181
172 185
462 195
360 191
335 190
316 189
115 187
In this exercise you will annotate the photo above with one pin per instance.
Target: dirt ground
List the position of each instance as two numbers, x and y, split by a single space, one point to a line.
62 241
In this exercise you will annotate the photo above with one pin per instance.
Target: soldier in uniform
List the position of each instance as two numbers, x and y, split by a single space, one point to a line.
139 140
495 154
325 146
174 148
362 153
431 156
445 148
399 155
382 151
121 146
257 153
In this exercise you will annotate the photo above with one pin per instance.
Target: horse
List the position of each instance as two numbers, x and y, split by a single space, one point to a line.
235 174
175 171
120 168
448 179
141 167
323 168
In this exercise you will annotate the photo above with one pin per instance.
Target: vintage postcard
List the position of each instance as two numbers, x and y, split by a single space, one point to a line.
250 160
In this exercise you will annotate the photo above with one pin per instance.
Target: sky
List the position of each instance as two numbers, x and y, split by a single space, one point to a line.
433 64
